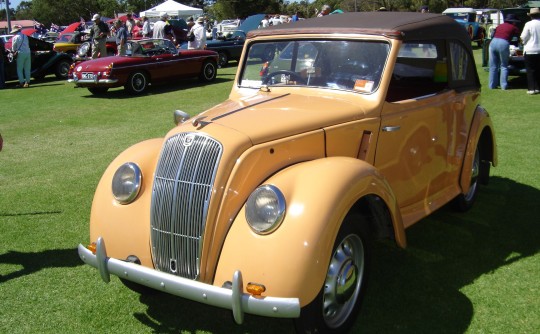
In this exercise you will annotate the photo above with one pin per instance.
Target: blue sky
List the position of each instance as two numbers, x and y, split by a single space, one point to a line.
12 4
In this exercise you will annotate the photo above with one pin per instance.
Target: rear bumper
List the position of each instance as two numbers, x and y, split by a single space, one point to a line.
233 299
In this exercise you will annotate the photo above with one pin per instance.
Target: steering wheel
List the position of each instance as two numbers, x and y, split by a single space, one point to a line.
292 74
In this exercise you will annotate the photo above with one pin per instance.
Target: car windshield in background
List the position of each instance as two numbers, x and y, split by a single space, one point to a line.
344 65
151 47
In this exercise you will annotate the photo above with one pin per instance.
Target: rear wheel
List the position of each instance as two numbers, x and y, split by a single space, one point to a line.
208 71
335 308
62 69
98 90
464 202
137 83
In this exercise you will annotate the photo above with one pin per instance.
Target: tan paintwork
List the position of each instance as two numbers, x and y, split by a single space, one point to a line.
322 157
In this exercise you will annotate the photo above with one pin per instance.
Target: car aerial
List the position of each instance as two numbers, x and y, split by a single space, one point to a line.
229 45
359 126
467 17
149 61
44 61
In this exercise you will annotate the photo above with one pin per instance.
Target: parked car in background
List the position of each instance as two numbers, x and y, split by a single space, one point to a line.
6 38
84 51
359 126
468 18
516 62
69 42
229 45
44 61
149 61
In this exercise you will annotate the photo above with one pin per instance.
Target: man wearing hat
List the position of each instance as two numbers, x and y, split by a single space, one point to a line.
199 43
98 33
159 26
499 52
530 37
20 48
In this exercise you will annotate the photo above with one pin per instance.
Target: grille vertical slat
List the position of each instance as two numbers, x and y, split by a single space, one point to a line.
182 190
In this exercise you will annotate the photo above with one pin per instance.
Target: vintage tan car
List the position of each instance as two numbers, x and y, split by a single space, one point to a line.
359 126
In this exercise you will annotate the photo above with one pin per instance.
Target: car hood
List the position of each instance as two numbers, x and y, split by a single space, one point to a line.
251 23
266 117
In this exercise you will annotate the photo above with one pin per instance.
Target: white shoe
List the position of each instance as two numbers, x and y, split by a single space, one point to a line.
532 92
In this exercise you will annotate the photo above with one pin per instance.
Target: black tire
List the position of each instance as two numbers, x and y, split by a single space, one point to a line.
464 202
336 307
223 59
62 69
98 90
208 71
137 83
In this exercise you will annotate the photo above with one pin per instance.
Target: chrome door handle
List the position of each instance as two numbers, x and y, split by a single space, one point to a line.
391 128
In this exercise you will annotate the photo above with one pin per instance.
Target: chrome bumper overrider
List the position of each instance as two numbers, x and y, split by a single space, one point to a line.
233 299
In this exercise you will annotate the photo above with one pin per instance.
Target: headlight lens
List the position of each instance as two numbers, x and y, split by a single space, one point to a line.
265 209
126 183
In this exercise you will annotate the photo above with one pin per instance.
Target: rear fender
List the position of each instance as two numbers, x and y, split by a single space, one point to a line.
293 260
483 134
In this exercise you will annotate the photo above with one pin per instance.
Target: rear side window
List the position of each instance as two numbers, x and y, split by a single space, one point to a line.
462 70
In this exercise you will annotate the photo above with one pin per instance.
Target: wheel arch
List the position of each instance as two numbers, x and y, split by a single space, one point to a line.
481 135
317 204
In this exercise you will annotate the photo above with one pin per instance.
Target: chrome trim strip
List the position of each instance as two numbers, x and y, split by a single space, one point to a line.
234 299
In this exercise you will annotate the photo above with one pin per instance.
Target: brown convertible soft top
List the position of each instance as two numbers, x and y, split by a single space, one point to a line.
402 25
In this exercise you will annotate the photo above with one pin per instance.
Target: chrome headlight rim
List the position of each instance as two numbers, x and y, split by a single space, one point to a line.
126 183
270 199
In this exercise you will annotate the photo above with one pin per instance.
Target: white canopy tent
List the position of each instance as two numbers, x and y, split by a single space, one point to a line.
173 9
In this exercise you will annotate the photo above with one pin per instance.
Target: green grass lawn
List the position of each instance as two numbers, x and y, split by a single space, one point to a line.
477 272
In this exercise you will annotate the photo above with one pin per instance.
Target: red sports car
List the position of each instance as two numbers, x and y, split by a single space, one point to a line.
148 61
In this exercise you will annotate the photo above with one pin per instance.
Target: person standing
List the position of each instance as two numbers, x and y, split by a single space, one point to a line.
159 26
98 33
499 52
145 27
325 10
530 37
130 24
199 43
121 37
2 55
21 50
295 17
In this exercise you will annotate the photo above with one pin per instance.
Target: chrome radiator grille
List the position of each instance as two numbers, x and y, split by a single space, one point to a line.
180 197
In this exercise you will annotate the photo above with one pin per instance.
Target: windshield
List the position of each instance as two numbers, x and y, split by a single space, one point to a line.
150 47
344 65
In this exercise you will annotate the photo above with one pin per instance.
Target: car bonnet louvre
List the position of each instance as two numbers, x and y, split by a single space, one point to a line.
180 197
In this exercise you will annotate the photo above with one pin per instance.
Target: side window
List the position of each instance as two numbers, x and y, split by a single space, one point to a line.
421 69
462 70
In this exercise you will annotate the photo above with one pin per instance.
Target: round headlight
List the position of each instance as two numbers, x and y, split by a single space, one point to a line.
265 209
126 183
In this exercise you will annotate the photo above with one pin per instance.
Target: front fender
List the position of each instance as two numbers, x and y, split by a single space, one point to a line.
126 227
293 260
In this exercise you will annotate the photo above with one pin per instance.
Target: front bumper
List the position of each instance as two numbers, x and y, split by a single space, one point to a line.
93 81
233 299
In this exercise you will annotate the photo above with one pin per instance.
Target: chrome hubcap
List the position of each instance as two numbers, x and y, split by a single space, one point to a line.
343 281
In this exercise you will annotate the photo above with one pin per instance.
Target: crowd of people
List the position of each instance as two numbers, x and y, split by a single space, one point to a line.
499 51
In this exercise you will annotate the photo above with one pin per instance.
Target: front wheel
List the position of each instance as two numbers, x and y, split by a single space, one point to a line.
223 58
62 69
137 83
208 71
335 308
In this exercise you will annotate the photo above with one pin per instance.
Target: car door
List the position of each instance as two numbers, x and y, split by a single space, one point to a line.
417 127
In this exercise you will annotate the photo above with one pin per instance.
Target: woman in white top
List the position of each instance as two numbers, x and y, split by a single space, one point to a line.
199 43
530 36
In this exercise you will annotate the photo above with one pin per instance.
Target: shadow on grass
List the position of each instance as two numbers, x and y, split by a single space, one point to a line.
180 85
34 262
416 290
